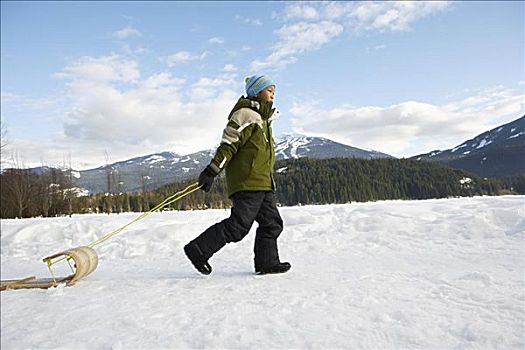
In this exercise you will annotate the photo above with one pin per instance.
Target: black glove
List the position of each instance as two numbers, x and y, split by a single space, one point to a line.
206 179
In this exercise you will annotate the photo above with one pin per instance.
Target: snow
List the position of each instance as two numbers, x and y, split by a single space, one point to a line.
154 159
458 147
79 191
445 274
466 182
292 143
483 143
516 135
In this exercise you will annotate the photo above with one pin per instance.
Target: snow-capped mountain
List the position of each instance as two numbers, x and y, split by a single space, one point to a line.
155 170
298 146
497 152
146 172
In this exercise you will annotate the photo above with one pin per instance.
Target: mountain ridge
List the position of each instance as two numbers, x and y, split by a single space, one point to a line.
497 152
157 169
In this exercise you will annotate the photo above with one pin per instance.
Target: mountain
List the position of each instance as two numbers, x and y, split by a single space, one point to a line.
297 146
145 172
499 152
154 170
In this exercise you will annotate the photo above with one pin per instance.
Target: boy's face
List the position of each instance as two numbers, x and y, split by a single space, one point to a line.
267 93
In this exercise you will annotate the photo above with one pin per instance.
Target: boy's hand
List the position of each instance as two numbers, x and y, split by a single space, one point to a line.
206 179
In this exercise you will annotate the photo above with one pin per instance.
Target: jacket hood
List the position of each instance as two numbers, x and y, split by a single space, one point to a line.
264 108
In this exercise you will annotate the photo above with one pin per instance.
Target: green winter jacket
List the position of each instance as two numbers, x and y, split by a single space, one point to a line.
247 149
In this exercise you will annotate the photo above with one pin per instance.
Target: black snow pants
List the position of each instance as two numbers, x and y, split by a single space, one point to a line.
247 207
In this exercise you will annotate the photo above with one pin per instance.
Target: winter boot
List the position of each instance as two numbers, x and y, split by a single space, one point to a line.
196 257
278 268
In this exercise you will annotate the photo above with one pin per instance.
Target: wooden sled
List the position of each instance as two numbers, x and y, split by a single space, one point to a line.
85 261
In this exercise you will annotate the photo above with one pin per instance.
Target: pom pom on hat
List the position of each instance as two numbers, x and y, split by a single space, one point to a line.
257 83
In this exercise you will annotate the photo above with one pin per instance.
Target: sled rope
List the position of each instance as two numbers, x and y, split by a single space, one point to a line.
169 200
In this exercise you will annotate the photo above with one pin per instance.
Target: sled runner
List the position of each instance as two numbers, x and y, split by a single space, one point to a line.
85 260
31 282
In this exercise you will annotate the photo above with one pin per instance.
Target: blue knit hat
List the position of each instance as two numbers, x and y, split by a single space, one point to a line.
257 83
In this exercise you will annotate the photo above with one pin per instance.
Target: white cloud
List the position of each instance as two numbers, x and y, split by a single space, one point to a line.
8 97
335 10
317 23
28 102
409 128
301 11
153 113
105 68
376 48
133 51
390 15
229 68
248 20
296 39
129 114
216 40
206 88
185 56
127 32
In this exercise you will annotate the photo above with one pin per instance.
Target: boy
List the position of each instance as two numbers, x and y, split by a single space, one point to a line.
247 154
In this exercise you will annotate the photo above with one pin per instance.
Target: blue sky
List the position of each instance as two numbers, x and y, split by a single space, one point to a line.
81 79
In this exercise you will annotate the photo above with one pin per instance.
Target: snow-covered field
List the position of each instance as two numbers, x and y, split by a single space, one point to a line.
396 274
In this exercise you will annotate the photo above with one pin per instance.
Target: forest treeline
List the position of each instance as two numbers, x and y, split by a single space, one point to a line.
24 193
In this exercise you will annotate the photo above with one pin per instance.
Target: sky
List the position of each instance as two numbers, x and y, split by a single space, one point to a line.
92 82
